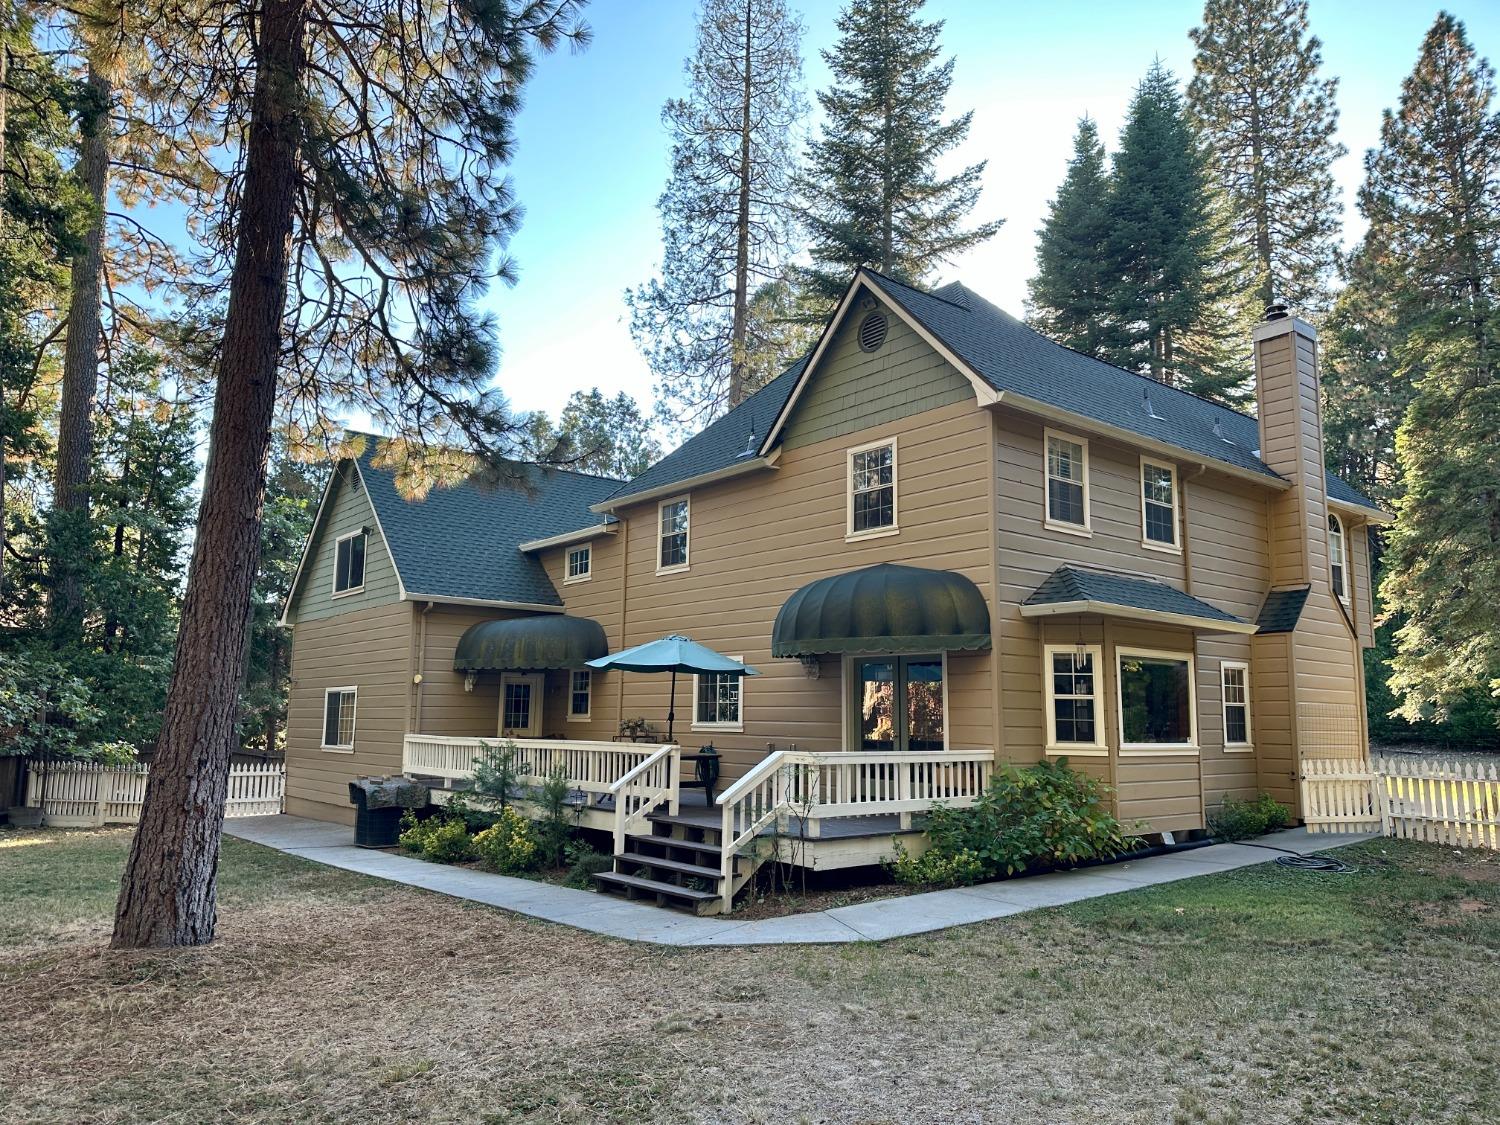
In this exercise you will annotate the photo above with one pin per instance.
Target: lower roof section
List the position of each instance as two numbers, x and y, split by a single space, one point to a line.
1070 590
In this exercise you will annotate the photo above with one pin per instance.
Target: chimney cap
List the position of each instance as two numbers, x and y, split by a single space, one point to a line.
1276 310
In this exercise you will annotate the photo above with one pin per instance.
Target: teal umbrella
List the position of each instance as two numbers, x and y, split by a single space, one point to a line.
672 654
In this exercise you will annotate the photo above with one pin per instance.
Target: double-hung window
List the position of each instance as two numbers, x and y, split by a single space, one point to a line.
338 718
1158 505
349 563
580 564
872 490
716 701
1067 482
580 694
1158 710
1074 725
672 547
1234 680
1338 576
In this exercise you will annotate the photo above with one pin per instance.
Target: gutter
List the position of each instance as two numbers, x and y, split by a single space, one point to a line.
739 468
1112 609
1373 515
566 538
438 599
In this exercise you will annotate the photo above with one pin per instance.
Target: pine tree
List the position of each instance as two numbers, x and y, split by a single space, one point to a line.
1269 120
872 193
1172 304
1071 294
1433 198
725 213
610 437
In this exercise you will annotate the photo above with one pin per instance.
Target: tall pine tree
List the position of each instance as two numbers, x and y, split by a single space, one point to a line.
1433 198
726 213
1269 120
1070 295
873 196
1176 278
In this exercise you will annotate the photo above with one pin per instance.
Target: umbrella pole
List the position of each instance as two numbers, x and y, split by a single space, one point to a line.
672 706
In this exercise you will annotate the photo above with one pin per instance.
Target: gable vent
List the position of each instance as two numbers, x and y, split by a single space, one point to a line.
872 331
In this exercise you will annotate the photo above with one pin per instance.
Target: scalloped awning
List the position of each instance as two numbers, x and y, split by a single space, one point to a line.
530 644
884 608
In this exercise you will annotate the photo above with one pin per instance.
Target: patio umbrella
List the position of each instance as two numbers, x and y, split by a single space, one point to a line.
672 654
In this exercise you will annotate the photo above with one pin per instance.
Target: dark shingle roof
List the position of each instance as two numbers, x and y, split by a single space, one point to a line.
1012 357
721 444
462 542
1282 610
1072 584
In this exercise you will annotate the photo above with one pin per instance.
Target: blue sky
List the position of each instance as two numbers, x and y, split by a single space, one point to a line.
592 154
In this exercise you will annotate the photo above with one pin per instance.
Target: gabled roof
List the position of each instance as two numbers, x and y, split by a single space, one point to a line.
1012 360
1071 589
461 543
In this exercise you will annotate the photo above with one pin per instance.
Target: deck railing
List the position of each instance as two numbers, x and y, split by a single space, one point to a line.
592 767
645 789
815 787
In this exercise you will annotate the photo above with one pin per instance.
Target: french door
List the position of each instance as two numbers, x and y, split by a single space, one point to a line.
899 703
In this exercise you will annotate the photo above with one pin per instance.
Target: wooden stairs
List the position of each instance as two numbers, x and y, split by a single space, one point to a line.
679 865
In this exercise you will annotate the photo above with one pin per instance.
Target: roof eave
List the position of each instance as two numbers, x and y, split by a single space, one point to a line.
486 603
748 465
567 538
1129 437
1373 515
1157 616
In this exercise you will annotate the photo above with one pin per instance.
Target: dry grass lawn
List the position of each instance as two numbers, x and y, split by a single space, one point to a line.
1262 995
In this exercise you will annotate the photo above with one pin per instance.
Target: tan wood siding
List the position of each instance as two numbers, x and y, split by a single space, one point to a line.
855 390
601 598
367 649
348 509
1364 599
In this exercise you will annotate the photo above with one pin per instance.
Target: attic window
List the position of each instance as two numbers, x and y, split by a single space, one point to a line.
872 331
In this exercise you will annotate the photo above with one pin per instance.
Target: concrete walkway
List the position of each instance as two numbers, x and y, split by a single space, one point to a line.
871 921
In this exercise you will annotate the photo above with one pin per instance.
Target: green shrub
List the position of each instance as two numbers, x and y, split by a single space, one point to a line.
442 839
554 828
1239 820
509 845
1043 815
584 863
497 773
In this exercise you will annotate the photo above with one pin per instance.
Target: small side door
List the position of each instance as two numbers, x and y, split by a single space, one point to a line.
521 705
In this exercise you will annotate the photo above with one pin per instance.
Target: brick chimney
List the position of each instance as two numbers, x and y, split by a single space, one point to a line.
1291 442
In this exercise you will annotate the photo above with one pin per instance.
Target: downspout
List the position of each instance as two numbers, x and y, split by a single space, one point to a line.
624 630
421 665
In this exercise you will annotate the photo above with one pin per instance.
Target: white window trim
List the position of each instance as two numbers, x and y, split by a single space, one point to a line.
1248 746
587 575
850 535
1096 749
687 544
732 727
586 716
1157 749
339 748
1086 528
1343 534
1174 547
334 582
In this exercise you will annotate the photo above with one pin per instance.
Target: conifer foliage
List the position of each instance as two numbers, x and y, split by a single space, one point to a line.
1268 119
873 195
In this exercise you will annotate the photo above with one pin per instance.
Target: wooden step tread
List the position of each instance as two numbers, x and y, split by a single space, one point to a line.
670 842
652 886
693 869
686 821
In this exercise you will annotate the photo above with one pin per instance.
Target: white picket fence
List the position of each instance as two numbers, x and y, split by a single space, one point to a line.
1454 803
86 795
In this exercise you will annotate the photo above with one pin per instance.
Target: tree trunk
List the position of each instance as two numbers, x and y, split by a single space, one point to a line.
4 78
80 383
167 896
737 345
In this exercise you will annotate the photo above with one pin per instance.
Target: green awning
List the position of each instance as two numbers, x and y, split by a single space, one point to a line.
885 608
530 644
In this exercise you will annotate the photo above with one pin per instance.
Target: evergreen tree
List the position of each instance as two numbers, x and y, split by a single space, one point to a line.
606 436
1172 305
872 192
1433 198
725 213
1269 120
1071 294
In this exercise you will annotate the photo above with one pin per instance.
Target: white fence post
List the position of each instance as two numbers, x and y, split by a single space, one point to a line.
87 795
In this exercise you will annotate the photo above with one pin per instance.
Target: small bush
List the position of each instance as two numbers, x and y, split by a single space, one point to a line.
583 864
508 846
554 828
1043 815
1239 820
442 839
497 773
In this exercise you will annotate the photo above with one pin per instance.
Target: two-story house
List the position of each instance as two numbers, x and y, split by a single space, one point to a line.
939 532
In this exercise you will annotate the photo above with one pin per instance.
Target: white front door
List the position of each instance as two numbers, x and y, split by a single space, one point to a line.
521 705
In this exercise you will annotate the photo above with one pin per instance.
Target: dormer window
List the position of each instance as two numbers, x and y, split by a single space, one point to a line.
349 563
580 563
1337 572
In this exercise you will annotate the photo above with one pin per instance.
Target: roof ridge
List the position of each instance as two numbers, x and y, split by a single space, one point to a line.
928 293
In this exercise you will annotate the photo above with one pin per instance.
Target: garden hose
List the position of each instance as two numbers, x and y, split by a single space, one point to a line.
1312 862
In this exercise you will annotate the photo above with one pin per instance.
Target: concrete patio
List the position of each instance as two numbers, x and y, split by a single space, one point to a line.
331 844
